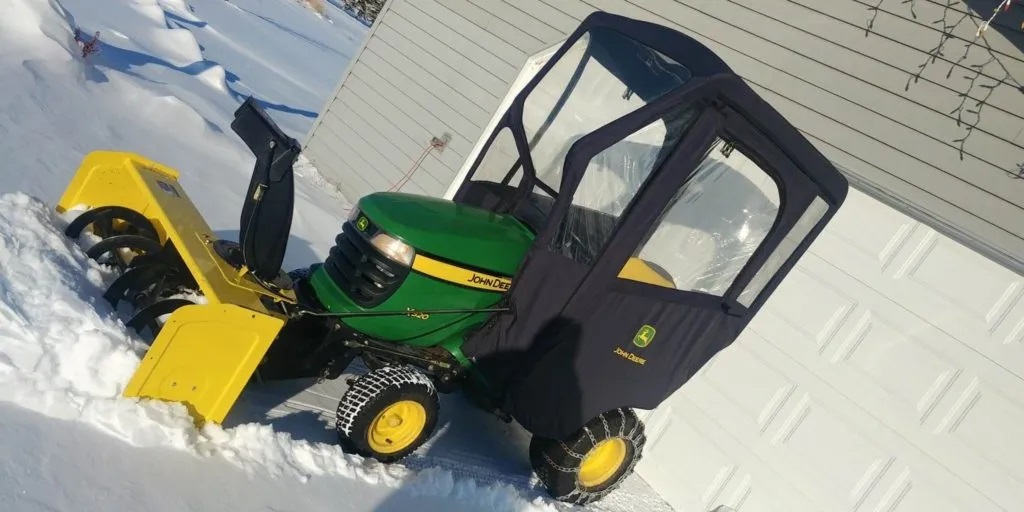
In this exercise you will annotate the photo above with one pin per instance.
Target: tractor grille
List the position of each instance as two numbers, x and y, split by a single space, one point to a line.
360 270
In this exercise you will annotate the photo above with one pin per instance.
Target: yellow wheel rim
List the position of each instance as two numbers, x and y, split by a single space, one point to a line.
602 462
397 426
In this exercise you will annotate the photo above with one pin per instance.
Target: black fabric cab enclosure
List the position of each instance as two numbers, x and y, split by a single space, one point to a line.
668 202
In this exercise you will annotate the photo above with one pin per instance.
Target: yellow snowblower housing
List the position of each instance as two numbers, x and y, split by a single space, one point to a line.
208 348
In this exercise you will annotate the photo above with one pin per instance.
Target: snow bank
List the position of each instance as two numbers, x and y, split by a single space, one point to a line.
215 77
25 20
177 45
54 345
58 465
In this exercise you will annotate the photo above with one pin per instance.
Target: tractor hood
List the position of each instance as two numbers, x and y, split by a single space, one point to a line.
455 232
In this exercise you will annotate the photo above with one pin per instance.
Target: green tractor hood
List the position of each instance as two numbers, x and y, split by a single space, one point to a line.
455 232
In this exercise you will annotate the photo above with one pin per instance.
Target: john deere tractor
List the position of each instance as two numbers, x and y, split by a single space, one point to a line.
634 208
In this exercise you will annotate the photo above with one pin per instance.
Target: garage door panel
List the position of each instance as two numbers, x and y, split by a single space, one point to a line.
692 462
792 425
912 366
953 272
1016 334
890 485
899 376
970 298
698 466
838 456
867 411
893 322
923 416
908 373
979 419
902 370
811 306
921 383
906 491
876 235
841 459
979 303
754 388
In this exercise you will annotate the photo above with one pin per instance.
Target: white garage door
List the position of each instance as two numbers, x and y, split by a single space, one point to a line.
886 374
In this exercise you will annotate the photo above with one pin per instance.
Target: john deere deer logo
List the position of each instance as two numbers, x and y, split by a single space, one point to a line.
362 223
644 336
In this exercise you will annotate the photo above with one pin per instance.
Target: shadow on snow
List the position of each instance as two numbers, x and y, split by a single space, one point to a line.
125 61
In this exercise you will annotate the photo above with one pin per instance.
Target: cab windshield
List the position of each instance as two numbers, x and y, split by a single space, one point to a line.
603 76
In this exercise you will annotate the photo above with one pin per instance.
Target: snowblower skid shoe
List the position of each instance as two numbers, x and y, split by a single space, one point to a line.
222 310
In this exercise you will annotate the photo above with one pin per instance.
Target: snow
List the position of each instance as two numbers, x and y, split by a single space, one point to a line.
39 474
128 98
166 79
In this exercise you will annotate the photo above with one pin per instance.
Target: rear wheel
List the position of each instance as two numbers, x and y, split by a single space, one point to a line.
592 462
388 413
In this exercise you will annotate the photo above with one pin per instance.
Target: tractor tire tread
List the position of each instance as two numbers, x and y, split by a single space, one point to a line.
375 390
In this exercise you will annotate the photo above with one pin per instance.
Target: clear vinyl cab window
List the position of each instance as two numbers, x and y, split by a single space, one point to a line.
603 76
713 225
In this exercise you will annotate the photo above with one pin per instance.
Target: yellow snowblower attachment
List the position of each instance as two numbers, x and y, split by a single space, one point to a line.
206 351
215 306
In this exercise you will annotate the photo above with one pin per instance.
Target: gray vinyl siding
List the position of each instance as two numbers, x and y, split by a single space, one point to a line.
442 66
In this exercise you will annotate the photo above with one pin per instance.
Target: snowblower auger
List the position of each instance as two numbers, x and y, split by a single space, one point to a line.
223 314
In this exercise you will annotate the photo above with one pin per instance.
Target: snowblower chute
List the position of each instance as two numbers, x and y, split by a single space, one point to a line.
631 212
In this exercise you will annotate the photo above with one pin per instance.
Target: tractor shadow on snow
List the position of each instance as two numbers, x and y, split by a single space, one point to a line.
468 442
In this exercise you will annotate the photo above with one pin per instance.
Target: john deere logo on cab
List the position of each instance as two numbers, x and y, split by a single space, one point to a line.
362 223
629 356
644 336
491 282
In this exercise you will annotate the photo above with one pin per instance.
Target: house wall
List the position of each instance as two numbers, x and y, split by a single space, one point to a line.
436 67
429 68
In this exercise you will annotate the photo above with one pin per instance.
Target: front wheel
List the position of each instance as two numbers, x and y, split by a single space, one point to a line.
388 413
591 462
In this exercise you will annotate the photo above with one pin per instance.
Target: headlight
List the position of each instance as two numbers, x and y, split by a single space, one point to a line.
393 248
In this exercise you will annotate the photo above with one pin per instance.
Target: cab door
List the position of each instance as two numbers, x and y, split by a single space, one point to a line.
694 256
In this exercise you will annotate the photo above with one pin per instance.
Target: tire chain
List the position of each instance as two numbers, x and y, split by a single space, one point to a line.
370 385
